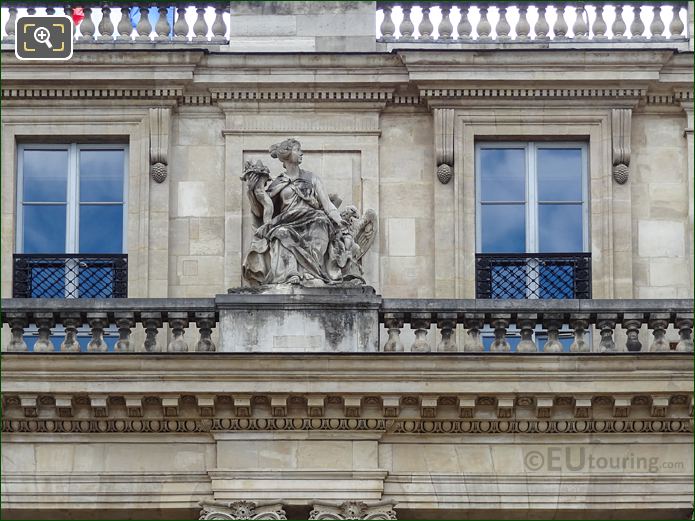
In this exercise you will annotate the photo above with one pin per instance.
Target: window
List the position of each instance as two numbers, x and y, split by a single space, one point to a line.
71 208
532 220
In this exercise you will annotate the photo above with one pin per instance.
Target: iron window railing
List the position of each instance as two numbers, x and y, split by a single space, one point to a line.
67 275
533 275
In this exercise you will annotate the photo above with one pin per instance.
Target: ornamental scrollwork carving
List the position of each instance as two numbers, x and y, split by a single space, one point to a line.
241 510
352 510
621 125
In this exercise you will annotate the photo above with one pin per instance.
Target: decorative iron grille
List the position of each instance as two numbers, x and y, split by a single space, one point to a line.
533 275
68 275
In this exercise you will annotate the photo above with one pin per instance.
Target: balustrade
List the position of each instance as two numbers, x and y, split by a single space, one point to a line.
510 22
537 325
58 324
417 326
153 25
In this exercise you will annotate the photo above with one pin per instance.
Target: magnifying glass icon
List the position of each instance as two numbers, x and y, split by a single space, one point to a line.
43 35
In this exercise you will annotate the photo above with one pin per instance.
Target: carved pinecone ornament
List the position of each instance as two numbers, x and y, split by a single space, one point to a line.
444 173
158 171
620 173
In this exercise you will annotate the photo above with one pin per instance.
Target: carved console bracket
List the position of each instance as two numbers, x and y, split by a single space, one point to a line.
444 143
353 510
621 125
160 122
242 510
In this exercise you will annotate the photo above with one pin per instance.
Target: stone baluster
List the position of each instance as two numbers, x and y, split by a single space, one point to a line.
152 322
425 27
87 26
124 323
484 28
527 323
618 28
106 25
17 323
637 26
181 26
205 322
599 26
656 28
144 27
606 323
684 324
10 25
676 26
632 322
500 344
71 321
560 26
541 28
68 12
387 27
406 27
178 321
125 28
502 28
446 322
394 324
552 323
420 322
97 322
44 321
162 27
218 27
464 27
200 27
580 28
523 28
473 341
658 322
579 324
445 27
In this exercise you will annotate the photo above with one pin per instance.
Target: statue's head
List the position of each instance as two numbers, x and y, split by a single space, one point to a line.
288 151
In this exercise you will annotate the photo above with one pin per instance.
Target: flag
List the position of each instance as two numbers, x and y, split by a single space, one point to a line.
153 16
77 15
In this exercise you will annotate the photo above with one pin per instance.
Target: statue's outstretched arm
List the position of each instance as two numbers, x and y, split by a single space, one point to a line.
326 203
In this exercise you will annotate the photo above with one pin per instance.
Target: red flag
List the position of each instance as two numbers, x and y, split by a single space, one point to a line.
77 15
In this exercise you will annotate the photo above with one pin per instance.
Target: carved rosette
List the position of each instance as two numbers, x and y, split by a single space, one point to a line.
242 510
353 510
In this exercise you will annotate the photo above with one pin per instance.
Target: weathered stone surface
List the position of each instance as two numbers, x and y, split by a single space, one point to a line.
295 319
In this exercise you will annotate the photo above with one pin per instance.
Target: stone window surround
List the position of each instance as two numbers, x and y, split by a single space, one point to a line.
609 203
147 200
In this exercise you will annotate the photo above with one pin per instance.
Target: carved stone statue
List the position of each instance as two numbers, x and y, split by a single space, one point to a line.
301 236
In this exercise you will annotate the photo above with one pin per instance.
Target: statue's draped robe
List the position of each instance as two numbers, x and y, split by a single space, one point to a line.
296 242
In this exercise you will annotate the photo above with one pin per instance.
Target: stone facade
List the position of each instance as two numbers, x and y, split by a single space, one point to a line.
271 420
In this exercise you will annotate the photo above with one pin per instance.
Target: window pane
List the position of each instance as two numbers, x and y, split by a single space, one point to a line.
101 175
559 174
44 228
502 174
101 228
560 228
503 228
45 175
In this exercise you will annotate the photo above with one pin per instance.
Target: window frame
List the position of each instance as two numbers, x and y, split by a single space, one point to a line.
72 231
531 202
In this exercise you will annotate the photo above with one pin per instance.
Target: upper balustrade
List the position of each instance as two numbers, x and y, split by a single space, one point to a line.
405 325
532 22
236 27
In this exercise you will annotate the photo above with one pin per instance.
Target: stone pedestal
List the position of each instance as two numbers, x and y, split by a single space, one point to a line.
297 319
